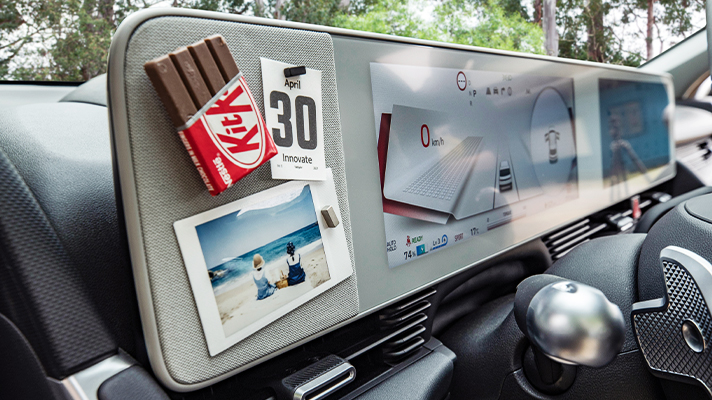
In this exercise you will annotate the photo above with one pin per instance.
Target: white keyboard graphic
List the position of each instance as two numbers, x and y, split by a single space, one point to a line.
444 179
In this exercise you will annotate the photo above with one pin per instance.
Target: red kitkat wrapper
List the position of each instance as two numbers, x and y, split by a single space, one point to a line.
229 140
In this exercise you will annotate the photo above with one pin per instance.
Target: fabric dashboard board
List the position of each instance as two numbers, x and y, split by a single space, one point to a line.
168 188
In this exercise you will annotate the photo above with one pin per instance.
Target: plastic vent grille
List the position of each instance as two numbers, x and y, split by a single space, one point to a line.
407 321
697 156
660 333
616 219
566 239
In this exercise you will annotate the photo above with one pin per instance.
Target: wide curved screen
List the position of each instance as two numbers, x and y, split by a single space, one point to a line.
455 155
463 152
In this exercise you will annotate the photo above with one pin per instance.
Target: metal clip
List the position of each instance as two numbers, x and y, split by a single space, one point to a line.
332 221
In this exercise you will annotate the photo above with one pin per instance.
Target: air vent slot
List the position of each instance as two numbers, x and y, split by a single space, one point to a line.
614 220
697 156
393 356
405 337
406 322
563 241
401 318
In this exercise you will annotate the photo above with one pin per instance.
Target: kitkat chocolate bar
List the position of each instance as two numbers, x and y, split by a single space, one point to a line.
213 110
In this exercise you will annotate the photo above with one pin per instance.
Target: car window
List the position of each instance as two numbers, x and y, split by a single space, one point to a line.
68 40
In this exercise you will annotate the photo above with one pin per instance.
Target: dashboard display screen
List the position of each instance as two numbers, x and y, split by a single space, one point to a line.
463 152
634 130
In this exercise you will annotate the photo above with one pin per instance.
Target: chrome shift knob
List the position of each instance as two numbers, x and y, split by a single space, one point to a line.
570 322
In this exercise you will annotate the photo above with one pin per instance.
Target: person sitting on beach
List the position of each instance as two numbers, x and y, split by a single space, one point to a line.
264 287
296 272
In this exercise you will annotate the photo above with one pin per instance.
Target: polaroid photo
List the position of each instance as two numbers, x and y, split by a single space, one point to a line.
252 261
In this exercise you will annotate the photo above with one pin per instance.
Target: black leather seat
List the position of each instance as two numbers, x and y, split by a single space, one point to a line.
65 276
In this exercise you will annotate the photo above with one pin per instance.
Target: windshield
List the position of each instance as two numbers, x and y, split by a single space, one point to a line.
68 40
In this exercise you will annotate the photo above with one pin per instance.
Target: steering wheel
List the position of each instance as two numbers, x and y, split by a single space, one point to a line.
625 316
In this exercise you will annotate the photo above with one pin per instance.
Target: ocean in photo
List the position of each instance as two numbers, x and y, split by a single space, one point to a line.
241 266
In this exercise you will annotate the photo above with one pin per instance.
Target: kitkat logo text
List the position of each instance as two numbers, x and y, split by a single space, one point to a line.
237 128
228 141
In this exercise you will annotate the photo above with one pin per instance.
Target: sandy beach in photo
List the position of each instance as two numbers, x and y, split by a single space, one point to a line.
222 247
238 306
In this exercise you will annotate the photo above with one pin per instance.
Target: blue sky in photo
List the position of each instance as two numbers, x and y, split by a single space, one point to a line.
235 234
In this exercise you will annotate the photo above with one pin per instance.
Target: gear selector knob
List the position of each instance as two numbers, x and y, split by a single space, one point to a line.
569 322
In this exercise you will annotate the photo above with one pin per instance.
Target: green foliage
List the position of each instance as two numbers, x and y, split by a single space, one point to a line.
58 40
677 14
575 19
69 39
319 12
392 17
226 6
10 20
489 25
83 40
512 7
476 23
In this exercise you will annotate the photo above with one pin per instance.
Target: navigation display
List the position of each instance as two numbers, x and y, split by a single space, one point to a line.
634 131
462 152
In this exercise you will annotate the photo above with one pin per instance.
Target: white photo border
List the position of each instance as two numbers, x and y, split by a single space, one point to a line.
335 247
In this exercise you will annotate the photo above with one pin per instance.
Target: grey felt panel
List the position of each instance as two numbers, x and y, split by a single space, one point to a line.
169 189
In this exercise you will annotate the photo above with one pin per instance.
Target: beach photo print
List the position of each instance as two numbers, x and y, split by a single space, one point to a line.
252 261
262 257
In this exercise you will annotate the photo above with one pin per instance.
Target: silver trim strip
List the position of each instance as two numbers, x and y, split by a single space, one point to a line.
649 305
330 377
84 385
698 267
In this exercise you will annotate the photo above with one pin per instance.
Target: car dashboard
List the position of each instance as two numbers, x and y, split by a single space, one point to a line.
450 175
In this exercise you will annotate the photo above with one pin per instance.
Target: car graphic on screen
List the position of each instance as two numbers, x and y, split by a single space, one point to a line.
552 137
505 176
